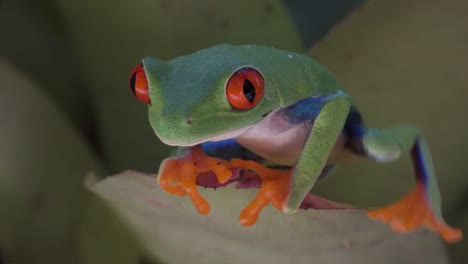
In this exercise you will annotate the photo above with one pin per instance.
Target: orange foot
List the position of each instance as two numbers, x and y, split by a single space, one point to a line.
179 175
274 188
411 212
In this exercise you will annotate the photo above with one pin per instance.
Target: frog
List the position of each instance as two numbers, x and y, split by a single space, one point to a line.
281 120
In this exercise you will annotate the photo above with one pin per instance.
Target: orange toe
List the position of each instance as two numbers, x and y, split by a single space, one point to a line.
413 211
448 233
274 188
179 175
168 175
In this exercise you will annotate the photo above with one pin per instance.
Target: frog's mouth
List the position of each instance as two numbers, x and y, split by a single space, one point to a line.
217 137
267 121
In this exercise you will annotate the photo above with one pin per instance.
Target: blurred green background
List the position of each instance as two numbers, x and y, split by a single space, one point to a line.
66 113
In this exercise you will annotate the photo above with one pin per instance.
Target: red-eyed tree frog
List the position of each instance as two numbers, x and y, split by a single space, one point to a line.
276 120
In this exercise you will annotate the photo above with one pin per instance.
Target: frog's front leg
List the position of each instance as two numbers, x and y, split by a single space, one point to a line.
178 175
421 205
286 190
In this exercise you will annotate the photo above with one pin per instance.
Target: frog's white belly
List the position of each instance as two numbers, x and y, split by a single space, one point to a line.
276 140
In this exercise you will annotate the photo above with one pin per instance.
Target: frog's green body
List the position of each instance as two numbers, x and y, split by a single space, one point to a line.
288 110
201 95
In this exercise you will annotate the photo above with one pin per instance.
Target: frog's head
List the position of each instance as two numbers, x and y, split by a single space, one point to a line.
210 95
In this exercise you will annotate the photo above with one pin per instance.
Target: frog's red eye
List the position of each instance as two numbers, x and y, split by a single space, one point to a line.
245 88
139 84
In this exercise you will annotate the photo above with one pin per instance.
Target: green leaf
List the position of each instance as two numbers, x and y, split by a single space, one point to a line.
104 237
34 42
172 231
42 163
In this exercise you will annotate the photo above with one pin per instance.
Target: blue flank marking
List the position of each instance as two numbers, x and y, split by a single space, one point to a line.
354 126
227 149
306 109
419 163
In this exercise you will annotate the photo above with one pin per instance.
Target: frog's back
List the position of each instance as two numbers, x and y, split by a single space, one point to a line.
294 76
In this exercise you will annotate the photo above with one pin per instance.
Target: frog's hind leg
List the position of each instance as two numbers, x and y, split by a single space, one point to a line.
422 204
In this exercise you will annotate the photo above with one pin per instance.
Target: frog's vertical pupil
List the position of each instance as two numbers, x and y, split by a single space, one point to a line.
245 88
249 90
132 82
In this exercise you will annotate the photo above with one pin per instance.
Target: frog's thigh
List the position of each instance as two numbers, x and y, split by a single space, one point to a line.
326 129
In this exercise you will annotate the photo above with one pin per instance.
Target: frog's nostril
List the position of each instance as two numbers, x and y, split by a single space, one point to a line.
189 120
